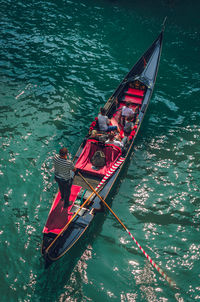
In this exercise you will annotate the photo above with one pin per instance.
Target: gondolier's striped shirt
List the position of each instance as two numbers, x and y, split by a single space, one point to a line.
62 167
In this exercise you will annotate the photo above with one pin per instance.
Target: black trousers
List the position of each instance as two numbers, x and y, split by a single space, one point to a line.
65 189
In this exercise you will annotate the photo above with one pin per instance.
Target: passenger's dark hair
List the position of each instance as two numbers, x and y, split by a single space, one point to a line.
111 136
103 111
63 151
130 118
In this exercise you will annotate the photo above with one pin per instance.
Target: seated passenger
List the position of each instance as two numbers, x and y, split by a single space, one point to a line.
98 136
126 111
137 110
128 125
137 84
112 140
131 85
104 122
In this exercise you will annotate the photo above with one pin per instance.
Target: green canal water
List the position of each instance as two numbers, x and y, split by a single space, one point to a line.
59 62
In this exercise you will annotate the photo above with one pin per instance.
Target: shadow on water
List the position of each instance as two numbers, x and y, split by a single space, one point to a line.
58 278
51 281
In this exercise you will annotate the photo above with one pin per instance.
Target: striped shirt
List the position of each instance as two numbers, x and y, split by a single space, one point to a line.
62 167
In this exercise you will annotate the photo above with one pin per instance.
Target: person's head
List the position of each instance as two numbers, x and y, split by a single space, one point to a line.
94 133
137 109
103 111
129 118
111 136
128 104
63 152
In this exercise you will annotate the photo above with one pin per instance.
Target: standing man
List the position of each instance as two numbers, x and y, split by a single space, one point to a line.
62 170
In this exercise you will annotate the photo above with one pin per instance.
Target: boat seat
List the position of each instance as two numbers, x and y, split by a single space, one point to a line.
75 208
84 164
89 168
84 220
132 99
135 92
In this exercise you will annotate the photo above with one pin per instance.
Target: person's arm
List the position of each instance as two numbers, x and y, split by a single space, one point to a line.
132 126
107 121
73 168
119 144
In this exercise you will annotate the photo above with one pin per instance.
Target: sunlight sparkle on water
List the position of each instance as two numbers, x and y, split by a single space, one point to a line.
124 241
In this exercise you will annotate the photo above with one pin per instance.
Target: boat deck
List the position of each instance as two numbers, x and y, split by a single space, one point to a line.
92 179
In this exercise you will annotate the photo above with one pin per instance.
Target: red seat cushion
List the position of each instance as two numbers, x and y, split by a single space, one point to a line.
88 168
135 92
111 152
132 99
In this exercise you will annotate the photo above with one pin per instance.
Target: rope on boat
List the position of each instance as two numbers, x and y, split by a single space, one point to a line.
110 172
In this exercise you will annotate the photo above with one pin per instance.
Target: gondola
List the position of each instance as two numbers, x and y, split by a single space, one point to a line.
64 227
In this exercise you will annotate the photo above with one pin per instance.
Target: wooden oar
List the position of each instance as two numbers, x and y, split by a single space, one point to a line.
66 226
163 274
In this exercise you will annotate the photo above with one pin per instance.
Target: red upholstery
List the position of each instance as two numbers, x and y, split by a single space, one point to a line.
111 152
114 122
59 216
135 92
132 99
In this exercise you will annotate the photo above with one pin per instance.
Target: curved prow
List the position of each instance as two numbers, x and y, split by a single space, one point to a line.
163 24
149 73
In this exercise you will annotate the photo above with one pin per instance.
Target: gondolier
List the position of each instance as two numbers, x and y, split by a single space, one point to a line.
62 170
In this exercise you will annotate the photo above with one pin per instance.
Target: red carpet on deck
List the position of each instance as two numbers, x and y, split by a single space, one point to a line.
59 216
